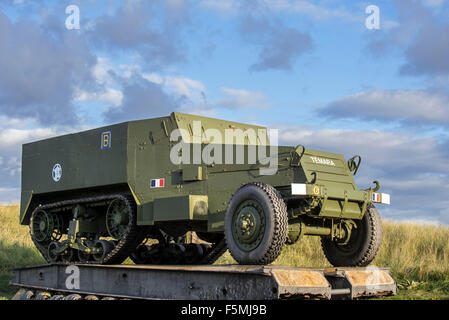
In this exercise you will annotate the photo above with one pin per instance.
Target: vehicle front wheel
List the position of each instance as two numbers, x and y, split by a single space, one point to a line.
256 223
363 244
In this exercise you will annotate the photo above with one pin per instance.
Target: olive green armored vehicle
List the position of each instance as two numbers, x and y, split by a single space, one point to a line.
141 189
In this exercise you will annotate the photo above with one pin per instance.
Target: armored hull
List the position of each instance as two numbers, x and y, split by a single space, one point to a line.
141 188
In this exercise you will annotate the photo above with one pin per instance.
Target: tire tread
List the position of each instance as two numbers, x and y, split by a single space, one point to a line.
280 224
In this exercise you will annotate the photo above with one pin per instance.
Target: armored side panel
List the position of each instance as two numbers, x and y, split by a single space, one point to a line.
61 166
330 175
149 148
194 128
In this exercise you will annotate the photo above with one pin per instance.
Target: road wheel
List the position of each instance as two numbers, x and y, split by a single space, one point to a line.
103 248
85 257
362 246
52 256
68 255
256 224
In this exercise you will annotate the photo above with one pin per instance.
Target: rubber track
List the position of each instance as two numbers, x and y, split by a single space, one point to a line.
375 241
125 246
280 223
215 252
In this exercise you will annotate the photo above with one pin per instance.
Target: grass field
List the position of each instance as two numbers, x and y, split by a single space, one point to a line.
417 255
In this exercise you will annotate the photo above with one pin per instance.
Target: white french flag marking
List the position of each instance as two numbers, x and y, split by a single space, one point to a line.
385 198
299 189
381 198
157 183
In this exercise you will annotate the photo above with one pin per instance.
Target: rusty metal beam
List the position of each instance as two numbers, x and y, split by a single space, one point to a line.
216 282
362 282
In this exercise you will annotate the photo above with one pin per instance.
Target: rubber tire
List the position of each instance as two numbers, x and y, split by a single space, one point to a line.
276 224
70 257
84 257
107 248
194 253
139 255
51 259
27 295
371 224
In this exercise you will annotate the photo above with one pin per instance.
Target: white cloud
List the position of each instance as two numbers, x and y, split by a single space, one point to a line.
224 6
239 98
8 122
191 94
300 7
434 3
389 150
187 91
316 11
413 169
8 189
11 141
183 86
110 96
16 137
389 24
109 92
101 71
153 77
407 105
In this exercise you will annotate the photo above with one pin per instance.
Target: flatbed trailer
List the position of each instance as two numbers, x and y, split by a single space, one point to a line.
206 282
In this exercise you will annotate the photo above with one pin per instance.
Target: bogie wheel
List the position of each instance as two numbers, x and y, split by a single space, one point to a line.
363 244
85 257
155 254
256 223
103 247
140 255
174 253
27 295
58 228
117 218
205 246
68 255
52 256
42 226
194 252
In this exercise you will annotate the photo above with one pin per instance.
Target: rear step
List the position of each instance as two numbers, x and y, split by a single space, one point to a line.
216 282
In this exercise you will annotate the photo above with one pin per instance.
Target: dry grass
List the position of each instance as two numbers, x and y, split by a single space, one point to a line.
415 253
16 247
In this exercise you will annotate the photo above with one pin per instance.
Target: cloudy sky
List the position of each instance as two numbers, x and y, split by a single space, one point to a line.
311 69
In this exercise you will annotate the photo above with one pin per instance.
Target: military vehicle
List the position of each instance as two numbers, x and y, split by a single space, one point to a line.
103 195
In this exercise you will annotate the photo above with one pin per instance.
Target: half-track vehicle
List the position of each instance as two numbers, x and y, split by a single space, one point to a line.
139 189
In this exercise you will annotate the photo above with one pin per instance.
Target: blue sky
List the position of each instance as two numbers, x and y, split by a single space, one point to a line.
311 69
